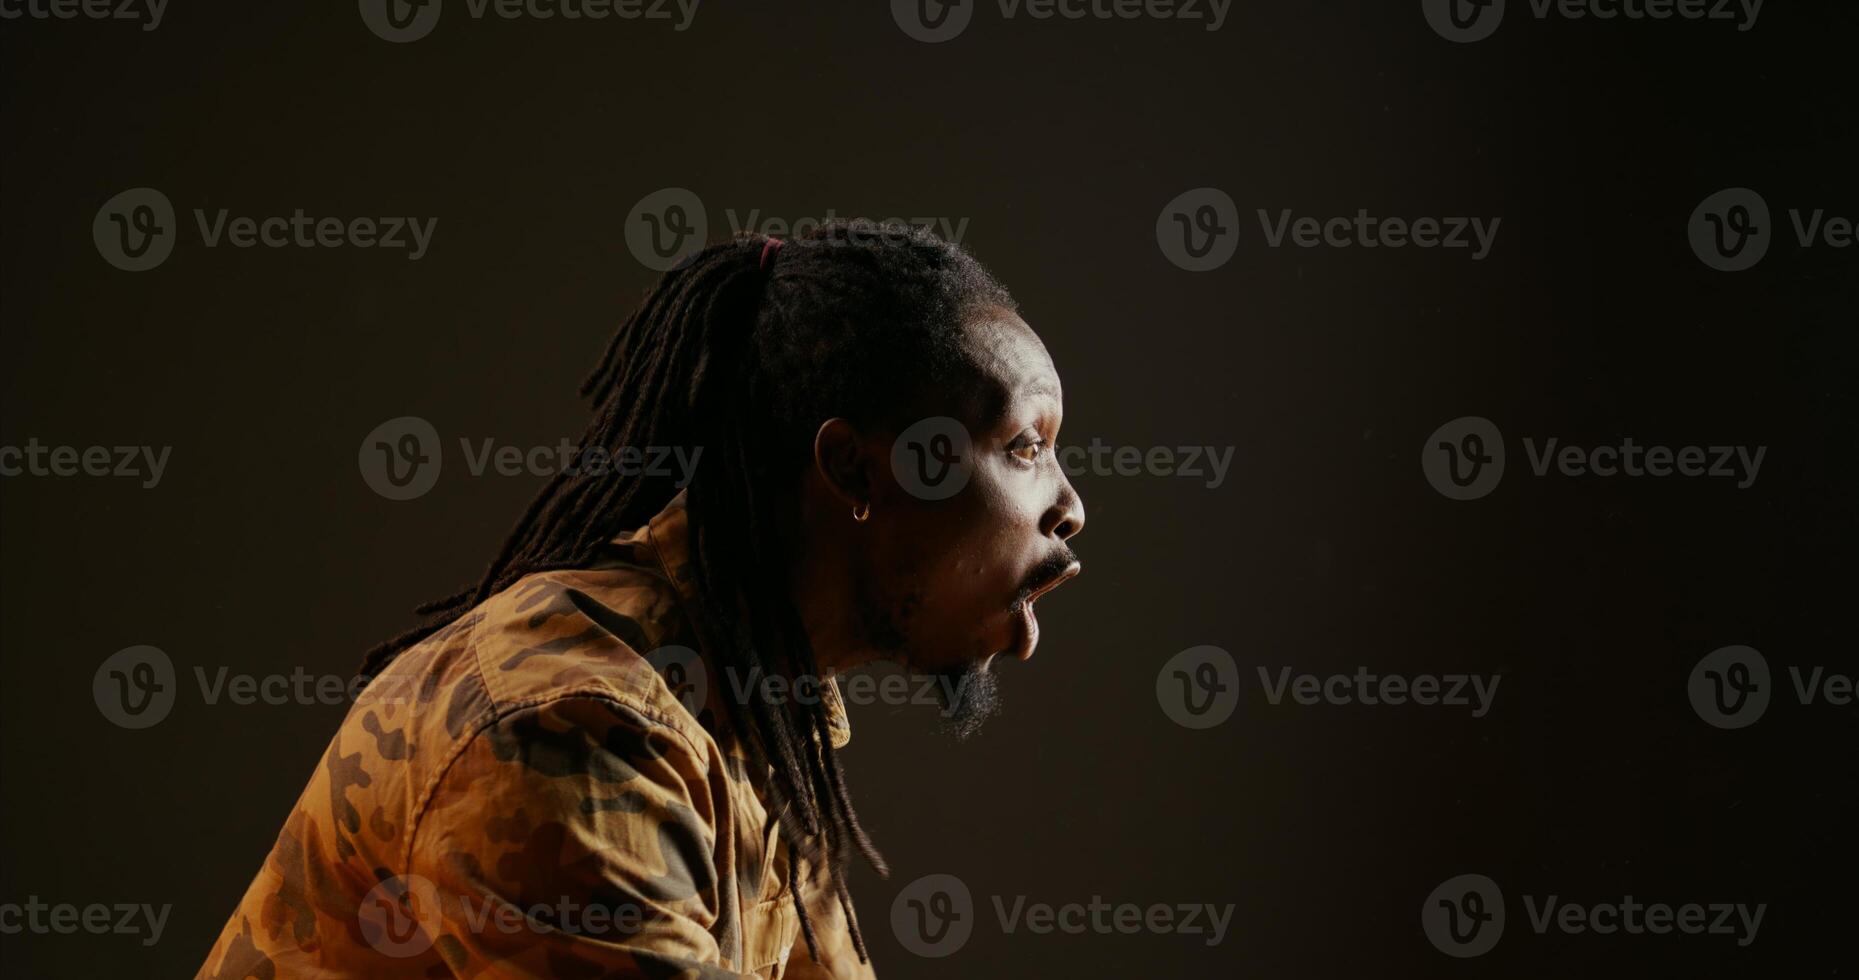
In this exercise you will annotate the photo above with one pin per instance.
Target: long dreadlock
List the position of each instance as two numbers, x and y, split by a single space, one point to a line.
855 320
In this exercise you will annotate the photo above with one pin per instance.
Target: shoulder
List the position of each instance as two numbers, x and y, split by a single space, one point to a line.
550 686
592 635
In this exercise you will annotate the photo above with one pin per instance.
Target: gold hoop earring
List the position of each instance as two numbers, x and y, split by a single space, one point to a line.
861 512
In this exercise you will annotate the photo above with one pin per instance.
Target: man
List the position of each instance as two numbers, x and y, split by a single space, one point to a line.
520 791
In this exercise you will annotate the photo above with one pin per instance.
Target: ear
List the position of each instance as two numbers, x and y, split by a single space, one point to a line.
843 461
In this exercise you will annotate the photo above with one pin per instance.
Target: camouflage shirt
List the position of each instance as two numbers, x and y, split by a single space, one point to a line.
540 803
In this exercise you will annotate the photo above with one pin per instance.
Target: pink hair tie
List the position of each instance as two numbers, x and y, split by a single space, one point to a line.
769 248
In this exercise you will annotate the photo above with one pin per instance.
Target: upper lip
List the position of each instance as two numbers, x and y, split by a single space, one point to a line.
1054 582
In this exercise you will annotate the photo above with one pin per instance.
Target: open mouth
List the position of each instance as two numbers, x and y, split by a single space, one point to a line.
1026 622
1064 575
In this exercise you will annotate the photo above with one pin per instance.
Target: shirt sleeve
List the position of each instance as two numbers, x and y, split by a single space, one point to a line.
574 838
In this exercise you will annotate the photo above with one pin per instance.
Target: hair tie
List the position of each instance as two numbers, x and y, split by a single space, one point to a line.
769 248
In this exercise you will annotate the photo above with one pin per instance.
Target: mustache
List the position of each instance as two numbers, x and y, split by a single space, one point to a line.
1044 573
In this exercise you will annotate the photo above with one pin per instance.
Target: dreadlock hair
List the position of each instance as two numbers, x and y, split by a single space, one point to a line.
854 319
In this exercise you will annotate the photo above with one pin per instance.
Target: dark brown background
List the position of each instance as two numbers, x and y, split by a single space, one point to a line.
263 549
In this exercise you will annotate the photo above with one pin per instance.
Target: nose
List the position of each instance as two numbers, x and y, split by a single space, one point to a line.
1066 515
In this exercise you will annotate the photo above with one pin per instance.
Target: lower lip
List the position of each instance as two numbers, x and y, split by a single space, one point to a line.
1026 630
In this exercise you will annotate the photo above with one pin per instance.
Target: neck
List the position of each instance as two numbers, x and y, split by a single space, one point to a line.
826 590
824 597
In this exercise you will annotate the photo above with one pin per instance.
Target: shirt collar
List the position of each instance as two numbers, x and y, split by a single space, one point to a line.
667 535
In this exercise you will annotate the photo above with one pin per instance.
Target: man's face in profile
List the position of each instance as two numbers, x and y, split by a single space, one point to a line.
951 582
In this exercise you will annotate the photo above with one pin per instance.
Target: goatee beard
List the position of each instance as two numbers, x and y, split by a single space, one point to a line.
970 696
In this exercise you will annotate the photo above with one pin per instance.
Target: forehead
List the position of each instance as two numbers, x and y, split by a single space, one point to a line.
1013 370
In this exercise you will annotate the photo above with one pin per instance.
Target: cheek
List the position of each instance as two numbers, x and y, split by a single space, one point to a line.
1004 502
974 547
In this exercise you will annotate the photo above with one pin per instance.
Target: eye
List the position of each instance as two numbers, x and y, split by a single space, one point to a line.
1028 448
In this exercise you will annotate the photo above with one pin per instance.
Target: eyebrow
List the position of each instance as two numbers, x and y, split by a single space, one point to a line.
1044 387
996 399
